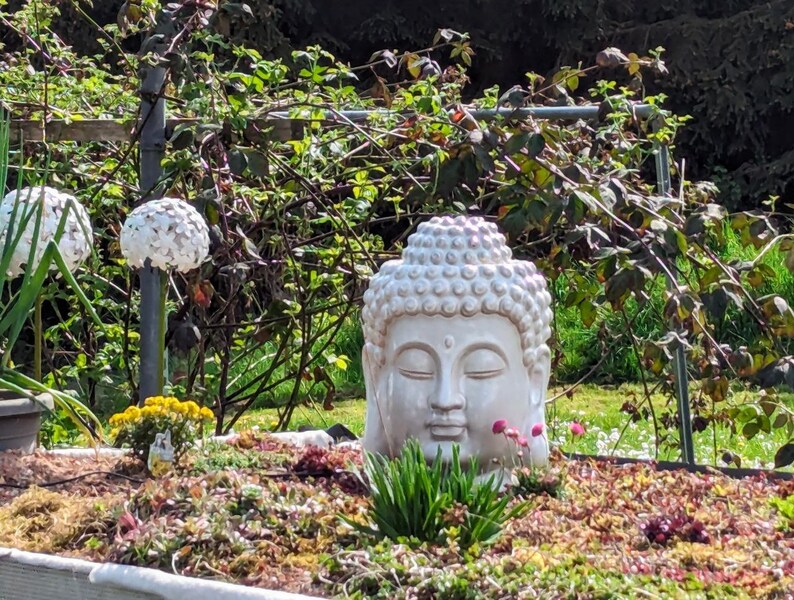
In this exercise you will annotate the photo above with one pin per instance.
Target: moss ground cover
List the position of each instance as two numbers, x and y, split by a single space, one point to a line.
263 513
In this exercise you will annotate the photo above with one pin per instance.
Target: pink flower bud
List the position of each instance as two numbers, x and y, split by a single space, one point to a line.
577 428
537 429
523 441
499 426
512 432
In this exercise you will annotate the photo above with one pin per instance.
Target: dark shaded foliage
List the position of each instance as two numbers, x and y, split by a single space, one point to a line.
731 62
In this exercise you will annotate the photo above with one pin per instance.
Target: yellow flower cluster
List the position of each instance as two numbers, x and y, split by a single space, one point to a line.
161 406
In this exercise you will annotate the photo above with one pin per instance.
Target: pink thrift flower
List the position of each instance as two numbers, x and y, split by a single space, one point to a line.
537 429
499 426
523 441
577 429
512 432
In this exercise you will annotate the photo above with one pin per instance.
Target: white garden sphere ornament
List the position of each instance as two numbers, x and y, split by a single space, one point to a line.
75 242
169 232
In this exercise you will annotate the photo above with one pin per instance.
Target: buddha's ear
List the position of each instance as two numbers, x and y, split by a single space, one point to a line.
374 439
370 367
539 377
539 383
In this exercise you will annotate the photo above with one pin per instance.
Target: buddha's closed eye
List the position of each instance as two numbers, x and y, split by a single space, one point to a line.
415 363
483 363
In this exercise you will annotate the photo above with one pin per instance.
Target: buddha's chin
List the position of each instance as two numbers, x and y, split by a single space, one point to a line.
433 444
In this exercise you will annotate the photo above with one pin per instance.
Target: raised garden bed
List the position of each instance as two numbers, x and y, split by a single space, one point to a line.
265 514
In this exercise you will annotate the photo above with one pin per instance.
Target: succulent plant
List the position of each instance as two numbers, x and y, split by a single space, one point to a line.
661 529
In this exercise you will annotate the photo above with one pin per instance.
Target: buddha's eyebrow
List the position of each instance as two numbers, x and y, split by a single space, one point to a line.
485 345
414 345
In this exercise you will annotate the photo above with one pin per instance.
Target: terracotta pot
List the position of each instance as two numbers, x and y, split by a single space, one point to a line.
20 420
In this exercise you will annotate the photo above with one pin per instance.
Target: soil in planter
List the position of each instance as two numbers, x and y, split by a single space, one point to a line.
261 513
80 496
20 471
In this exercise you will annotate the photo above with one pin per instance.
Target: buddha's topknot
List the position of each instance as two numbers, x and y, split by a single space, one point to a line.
459 266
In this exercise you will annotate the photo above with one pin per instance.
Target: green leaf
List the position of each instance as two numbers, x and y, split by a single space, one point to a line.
589 313
516 143
257 164
751 429
536 144
781 421
237 161
212 210
183 137
784 456
768 407
75 287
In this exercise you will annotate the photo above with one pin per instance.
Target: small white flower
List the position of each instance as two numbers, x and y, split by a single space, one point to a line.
75 242
169 232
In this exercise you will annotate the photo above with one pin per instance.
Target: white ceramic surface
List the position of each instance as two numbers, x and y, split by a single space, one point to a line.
34 576
169 232
455 339
300 439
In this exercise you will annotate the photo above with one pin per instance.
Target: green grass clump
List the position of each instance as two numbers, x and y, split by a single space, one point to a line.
785 509
411 500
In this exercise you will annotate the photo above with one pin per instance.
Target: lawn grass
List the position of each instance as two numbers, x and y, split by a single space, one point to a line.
609 431
348 412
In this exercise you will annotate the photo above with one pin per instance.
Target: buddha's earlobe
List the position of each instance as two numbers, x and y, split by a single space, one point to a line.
376 439
369 366
539 377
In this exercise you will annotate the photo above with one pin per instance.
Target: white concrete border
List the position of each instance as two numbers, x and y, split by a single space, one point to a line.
136 580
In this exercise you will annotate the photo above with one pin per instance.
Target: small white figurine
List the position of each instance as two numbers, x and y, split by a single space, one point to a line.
161 454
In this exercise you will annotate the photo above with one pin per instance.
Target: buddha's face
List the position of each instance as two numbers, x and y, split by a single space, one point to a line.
445 380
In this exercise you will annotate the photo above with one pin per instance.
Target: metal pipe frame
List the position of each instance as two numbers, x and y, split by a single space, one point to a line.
152 280
680 376
642 111
662 159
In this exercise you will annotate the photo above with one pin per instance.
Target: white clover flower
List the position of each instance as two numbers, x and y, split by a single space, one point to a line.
169 232
75 242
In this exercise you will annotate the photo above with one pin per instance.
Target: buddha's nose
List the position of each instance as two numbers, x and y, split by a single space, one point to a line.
447 398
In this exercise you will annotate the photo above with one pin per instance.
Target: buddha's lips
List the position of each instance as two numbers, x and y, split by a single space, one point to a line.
450 429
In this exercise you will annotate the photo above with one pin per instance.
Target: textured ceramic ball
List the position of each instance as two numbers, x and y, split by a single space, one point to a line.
169 232
75 241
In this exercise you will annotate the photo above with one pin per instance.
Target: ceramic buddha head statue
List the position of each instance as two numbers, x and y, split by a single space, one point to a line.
455 339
